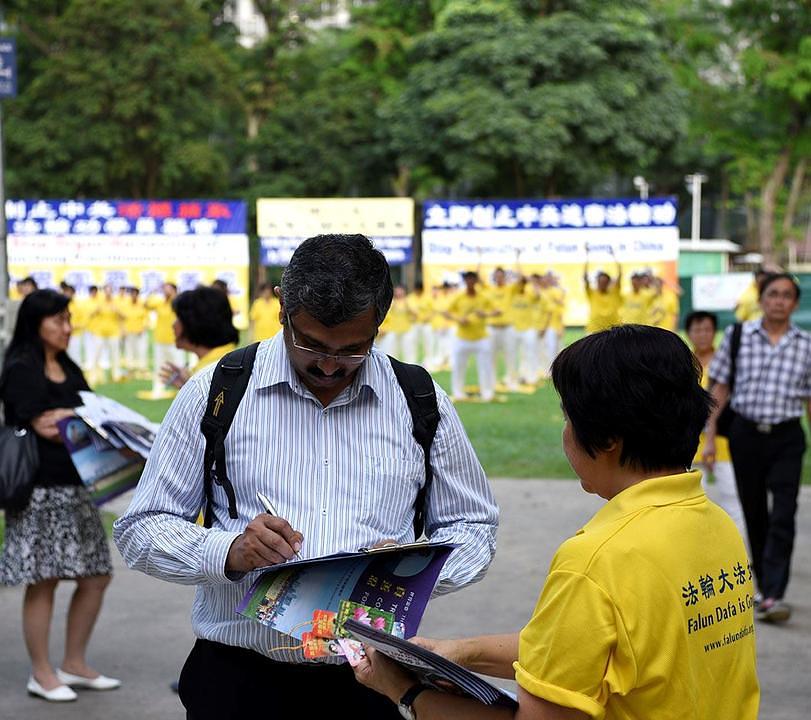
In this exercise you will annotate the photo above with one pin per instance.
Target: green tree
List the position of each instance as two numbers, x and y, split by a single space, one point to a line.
527 98
123 98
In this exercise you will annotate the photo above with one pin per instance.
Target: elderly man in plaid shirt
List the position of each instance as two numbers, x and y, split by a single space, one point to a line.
771 390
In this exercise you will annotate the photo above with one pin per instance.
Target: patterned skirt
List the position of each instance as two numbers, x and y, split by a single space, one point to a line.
59 535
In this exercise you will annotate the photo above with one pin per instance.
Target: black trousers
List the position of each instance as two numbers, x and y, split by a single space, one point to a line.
221 682
768 464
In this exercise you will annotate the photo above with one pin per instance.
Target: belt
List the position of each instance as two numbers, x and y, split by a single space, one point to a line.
768 428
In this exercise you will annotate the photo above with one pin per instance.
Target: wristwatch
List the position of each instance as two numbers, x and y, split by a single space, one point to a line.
406 704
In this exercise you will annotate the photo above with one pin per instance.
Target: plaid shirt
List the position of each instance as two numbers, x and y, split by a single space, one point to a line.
772 382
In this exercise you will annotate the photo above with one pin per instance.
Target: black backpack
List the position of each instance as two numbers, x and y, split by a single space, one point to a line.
228 386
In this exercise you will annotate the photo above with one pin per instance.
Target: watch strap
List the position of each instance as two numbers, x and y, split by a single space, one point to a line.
410 695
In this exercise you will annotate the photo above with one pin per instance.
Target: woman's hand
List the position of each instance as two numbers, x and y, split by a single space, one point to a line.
171 374
44 425
452 650
383 675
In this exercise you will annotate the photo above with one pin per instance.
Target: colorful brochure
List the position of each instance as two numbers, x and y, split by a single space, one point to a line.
107 471
387 587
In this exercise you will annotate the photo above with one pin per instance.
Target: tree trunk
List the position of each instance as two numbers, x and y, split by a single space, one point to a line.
751 220
722 230
797 181
768 201
400 185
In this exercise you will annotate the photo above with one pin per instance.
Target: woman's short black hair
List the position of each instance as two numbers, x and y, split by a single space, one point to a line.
636 385
206 316
335 278
698 316
774 277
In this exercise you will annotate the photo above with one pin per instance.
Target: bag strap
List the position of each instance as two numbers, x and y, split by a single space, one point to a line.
228 385
418 388
734 348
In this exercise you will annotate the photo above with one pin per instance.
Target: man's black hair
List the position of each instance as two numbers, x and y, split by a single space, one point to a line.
698 316
206 316
335 278
636 385
773 277
30 281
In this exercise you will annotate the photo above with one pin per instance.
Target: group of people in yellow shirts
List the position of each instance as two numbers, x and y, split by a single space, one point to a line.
513 329
650 301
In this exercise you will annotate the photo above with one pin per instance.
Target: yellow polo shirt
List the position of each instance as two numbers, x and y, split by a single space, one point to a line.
440 305
399 317
422 306
748 307
556 305
265 317
79 314
212 356
525 309
501 297
106 319
636 308
164 319
466 306
135 317
647 612
604 308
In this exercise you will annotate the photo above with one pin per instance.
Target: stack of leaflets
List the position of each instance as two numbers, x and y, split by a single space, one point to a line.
120 426
430 668
108 444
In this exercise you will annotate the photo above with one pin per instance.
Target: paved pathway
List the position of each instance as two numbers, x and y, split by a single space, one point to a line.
143 633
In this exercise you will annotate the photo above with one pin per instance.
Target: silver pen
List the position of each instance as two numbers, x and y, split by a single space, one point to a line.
270 510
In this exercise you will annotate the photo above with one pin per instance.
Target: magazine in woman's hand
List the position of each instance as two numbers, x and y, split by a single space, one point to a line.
430 668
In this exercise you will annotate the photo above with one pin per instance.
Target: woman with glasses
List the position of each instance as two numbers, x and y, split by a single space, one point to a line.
58 535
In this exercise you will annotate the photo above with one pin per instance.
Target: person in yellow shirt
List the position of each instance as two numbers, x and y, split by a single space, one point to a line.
240 322
748 306
635 308
136 341
470 311
554 297
525 309
204 327
604 300
664 307
701 328
264 314
422 306
106 320
394 330
78 320
502 335
441 328
91 339
163 336
647 611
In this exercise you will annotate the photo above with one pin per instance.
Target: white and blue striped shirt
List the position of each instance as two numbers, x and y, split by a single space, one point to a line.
346 476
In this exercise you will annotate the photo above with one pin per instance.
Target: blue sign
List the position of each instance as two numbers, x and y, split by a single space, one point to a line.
279 250
548 214
126 217
8 68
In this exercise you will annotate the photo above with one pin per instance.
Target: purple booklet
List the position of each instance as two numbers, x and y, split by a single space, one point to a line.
397 579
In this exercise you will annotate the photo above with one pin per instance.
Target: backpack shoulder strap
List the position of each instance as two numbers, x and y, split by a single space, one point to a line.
418 388
228 385
734 348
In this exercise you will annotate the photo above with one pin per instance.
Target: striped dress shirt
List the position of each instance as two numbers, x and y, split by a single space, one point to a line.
772 382
345 475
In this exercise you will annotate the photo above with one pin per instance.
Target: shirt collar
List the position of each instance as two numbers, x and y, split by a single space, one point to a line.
756 326
274 368
653 492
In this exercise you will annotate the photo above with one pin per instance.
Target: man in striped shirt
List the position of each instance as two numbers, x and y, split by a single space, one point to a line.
325 432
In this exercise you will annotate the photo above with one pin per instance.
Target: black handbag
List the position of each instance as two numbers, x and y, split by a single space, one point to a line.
724 420
19 461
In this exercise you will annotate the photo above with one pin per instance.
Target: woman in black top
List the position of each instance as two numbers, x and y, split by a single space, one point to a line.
59 535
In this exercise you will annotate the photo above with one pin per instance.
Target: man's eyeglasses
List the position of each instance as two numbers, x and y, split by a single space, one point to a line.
347 360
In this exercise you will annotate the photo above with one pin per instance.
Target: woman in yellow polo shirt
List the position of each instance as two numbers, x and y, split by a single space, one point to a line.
136 342
203 326
604 300
395 337
647 611
106 320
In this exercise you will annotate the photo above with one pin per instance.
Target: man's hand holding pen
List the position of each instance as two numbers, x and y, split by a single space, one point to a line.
267 540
